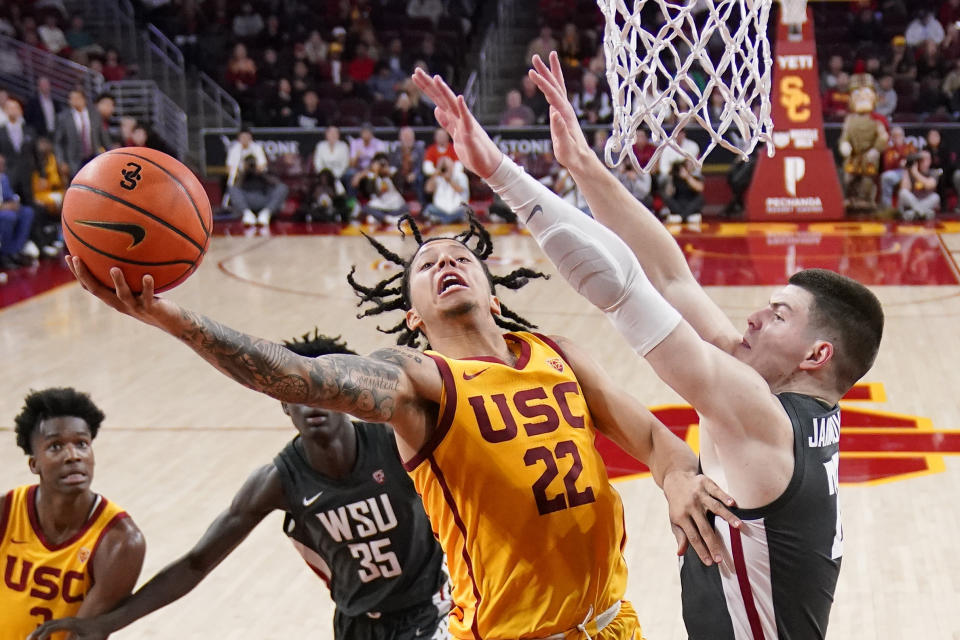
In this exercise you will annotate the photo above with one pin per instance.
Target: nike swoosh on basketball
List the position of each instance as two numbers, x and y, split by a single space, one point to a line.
471 376
309 501
135 231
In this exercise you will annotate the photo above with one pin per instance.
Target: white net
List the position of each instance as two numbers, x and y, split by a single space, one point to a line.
665 59
793 12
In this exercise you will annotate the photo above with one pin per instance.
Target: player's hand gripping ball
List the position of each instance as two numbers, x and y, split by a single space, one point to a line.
140 210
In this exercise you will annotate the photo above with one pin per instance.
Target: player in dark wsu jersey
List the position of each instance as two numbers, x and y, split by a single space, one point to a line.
791 562
353 515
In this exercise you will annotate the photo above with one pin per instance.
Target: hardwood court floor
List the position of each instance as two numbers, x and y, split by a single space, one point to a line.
180 438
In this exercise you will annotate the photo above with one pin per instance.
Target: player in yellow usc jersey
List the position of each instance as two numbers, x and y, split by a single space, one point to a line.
537 484
64 550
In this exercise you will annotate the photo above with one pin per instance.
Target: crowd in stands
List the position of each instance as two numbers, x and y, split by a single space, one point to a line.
331 62
347 63
912 50
44 141
365 180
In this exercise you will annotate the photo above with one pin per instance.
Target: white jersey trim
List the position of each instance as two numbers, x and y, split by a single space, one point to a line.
755 559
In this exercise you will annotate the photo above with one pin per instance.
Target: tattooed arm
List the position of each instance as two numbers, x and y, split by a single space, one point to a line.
394 385
367 388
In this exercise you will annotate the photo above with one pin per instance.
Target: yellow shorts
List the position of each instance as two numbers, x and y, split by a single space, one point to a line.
625 626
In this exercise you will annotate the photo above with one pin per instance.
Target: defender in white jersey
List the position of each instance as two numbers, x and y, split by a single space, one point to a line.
762 396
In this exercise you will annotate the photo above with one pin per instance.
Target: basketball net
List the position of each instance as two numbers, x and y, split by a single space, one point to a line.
661 74
793 12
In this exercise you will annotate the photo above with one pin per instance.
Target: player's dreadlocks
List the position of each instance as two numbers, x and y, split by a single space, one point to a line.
316 345
388 295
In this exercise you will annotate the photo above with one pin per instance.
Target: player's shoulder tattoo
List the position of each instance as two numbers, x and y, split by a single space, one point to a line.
400 356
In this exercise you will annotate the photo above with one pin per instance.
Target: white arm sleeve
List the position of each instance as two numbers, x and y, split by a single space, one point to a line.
591 257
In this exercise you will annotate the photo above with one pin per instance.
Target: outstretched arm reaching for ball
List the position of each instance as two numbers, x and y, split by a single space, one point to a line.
614 206
396 386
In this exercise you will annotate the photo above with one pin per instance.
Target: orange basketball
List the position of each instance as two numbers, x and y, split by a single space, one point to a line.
140 210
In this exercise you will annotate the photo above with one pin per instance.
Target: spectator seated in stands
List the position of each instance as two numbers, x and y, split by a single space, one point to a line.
739 178
532 97
441 147
81 42
48 186
922 28
683 196
396 58
561 183
929 60
894 165
362 150
516 114
901 64
430 9
866 28
18 145
41 112
127 125
918 192
670 156
310 115
141 136
302 78
570 48
951 87
16 221
386 203
269 69
592 102
249 187
360 68
241 73
329 202
543 44
451 191
278 110
643 149
331 154
404 113
78 135
53 37
315 48
943 160
930 97
247 24
638 184
886 96
113 69
385 82
106 106
836 102
436 61
407 157
47 183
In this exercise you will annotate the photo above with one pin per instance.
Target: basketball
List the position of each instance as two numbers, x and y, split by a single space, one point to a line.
140 210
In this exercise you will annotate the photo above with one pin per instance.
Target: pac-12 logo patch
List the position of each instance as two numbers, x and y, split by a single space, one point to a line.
379 476
83 555
556 363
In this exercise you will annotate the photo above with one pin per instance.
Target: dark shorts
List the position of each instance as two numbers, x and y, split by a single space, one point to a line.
424 622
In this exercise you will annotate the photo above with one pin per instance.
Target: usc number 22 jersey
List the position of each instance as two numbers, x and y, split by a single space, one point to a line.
519 496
